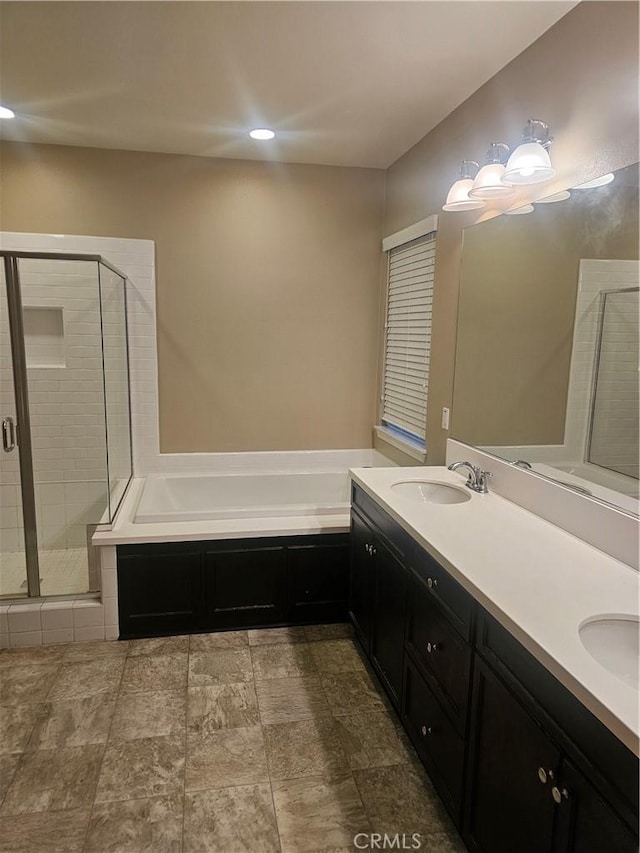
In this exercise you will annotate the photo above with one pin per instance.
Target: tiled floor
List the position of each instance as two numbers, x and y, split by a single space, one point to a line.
259 741
62 572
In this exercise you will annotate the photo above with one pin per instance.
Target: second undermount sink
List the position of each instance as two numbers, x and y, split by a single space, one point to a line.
614 642
428 491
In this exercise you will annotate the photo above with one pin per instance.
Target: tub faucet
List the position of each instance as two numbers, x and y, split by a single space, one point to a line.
477 479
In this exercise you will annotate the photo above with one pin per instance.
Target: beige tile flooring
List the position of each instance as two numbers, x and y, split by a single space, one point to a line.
258 741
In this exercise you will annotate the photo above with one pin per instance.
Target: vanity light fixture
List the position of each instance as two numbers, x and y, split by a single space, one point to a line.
5 112
488 183
596 182
458 197
261 133
530 162
563 195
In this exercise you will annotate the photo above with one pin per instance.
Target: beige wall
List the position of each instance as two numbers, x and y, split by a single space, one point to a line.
582 78
267 284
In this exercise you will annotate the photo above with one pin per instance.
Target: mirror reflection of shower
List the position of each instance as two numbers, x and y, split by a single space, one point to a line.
613 438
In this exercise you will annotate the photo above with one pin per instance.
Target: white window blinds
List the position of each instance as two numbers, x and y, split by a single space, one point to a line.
408 336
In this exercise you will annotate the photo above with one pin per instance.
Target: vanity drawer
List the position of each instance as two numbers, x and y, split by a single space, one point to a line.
435 644
435 738
457 604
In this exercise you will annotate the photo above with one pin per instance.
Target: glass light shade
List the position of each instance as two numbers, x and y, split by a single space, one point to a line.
520 211
529 164
458 198
489 183
596 182
5 112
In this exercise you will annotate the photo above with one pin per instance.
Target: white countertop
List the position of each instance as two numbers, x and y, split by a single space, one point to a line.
540 582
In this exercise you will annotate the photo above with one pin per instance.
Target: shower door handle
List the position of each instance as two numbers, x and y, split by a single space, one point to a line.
8 435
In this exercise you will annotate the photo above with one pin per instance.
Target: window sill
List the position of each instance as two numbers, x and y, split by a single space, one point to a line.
412 450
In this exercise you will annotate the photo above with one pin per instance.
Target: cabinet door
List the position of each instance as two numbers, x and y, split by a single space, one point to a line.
509 806
244 588
159 593
361 579
586 824
317 582
387 639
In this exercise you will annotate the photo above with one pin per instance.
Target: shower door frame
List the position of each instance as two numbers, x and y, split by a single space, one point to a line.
10 259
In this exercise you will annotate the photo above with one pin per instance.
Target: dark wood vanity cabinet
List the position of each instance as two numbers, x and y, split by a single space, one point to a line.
520 764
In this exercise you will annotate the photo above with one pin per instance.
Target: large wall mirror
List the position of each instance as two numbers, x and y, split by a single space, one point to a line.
546 371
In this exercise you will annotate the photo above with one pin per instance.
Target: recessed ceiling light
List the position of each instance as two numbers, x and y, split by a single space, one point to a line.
596 182
261 133
5 112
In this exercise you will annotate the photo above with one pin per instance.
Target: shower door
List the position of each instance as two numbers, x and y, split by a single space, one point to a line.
18 536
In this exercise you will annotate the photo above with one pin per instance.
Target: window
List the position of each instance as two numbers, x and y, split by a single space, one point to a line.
408 339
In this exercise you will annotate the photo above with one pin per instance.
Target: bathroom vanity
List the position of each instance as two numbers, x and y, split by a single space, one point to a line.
469 609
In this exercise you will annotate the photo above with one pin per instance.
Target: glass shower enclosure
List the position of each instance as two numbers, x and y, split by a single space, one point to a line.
65 414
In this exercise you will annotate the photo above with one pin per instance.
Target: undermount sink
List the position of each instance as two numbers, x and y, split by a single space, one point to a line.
614 642
427 491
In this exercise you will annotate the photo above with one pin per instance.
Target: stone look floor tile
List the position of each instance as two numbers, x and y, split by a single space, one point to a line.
52 832
85 652
443 842
220 666
371 740
318 813
8 766
337 656
146 767
222 706
238 819
159 646
336 631
304 748
54 780
156 713
400 799
150 825
351 692
26 683
226 758
31 656
272 636
155 672
218 640
282 700
16 724
75 722
282 661
92 678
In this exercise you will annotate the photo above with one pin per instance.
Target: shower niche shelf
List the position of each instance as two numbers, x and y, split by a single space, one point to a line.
44 336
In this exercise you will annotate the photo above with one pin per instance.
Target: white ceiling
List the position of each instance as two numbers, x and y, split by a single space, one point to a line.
344 83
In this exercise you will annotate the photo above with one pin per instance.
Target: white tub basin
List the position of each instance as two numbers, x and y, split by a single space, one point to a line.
428 491
614 641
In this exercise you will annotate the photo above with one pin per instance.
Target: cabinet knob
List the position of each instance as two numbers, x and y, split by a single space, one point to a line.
544 775
432 582
373 550
426 730
432 647
559 795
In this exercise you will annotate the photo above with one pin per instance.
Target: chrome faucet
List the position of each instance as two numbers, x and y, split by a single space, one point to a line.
477 479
